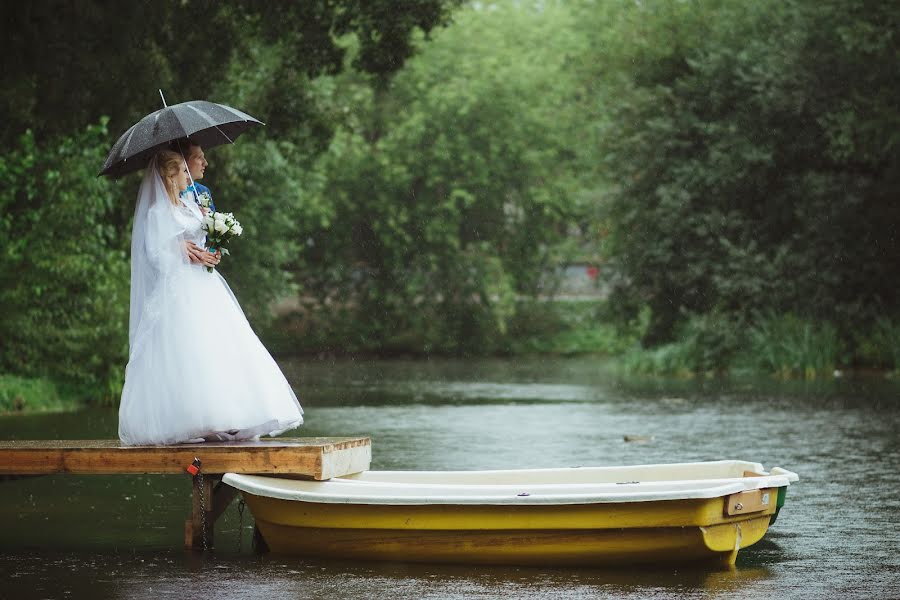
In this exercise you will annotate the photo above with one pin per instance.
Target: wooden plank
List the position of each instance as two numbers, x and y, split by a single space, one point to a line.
750 501
319 458
344 460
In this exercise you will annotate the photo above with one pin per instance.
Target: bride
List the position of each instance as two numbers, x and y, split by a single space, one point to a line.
180 312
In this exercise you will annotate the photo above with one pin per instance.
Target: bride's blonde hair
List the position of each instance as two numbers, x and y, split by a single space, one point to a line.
169 163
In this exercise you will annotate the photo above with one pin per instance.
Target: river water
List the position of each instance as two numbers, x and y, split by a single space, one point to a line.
121 536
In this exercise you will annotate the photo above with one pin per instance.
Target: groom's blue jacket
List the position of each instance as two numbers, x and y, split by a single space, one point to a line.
199 189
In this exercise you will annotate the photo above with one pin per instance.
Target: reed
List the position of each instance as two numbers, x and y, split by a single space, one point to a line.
670 359
790 346
886 341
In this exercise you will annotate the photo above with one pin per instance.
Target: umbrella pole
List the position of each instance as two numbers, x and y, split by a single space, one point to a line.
191 177
183 157
181 152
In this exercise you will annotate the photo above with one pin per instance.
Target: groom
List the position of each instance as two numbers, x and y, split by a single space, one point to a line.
197 163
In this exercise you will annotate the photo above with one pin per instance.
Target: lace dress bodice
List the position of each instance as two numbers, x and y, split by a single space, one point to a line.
190 217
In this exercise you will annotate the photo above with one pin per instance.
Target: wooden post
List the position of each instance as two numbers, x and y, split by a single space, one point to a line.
217 498
193 527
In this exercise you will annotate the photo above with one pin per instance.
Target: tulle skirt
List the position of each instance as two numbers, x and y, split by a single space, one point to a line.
199 373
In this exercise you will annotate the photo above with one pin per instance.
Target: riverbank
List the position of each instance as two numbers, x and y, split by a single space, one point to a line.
20 395
562 327
783 347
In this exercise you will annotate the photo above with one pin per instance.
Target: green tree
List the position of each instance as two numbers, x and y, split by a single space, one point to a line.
63 232
753 149
74 62
452 187
63 268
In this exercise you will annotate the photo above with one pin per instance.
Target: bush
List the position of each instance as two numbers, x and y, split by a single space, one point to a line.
879 346
704 344
20 394
567 328
64 273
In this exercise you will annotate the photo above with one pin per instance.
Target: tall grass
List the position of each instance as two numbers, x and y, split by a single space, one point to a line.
670 359
21 394
790 346
881 345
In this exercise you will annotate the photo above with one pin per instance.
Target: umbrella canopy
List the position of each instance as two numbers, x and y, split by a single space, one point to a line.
204 123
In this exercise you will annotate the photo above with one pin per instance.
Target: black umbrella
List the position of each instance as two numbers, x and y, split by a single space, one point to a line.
205 123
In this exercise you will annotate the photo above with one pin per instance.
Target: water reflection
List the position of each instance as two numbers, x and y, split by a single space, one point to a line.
137 576
119 537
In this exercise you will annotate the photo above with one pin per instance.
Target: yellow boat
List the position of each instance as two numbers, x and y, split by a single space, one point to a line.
575 516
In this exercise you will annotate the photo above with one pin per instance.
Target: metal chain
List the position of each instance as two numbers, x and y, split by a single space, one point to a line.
202 508
241 506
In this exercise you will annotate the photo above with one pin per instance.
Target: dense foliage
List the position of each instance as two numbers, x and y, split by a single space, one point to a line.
64 233
451 189
67 63
755 152
63 269
730 166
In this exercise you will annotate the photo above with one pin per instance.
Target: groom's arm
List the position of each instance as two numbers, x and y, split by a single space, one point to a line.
199 256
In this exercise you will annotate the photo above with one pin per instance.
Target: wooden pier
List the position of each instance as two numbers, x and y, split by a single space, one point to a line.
315 458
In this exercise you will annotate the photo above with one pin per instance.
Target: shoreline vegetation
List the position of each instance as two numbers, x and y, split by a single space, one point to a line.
725 172
783 348
29 395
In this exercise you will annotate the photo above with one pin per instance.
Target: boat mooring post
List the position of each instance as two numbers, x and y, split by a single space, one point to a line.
210 499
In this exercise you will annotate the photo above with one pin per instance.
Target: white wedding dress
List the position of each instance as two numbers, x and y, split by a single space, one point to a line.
196 370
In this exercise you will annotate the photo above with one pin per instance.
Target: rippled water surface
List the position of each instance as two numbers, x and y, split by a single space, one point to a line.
121 536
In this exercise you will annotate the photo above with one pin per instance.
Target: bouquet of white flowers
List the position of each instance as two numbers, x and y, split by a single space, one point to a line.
220 228
204 200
